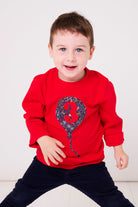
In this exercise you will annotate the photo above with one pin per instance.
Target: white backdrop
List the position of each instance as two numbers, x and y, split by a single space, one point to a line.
24 35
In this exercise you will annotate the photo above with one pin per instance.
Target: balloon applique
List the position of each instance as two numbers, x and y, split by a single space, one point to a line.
70 112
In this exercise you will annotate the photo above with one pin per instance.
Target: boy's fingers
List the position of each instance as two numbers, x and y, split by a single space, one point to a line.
52 159
124 162
60 152
46 160
59 144
57 157
118 162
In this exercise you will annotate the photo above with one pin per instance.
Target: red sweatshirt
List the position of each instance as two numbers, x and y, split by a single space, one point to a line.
79 114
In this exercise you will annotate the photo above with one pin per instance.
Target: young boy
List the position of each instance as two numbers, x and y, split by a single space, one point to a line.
68 111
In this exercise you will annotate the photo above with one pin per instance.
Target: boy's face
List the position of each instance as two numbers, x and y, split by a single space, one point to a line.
70 52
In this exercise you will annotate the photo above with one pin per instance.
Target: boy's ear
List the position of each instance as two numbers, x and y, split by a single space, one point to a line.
50 50
91 52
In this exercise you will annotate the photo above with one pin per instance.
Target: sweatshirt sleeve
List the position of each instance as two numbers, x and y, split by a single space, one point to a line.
112 123
34 106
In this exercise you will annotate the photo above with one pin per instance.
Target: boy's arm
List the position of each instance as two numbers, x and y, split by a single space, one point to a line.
112 124
33 104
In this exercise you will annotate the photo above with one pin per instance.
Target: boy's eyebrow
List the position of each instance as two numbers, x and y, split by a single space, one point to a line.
76 46
81 45
60 45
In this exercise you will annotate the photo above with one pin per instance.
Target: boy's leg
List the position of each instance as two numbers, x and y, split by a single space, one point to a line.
37 180
95 181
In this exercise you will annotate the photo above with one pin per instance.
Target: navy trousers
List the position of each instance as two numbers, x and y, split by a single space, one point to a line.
93 180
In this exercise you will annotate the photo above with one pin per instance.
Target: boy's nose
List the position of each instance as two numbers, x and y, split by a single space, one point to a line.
71 56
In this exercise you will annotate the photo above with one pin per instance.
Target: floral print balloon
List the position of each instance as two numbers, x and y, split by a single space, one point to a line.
70 112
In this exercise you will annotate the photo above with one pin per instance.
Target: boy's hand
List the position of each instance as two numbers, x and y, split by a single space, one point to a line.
121 157
51 149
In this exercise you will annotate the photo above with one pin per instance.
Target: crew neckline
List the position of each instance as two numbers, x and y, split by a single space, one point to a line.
75 82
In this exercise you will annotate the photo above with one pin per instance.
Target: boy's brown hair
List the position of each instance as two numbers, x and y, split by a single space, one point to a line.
72 22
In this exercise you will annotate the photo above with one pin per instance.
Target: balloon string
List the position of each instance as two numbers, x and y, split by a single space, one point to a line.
72 148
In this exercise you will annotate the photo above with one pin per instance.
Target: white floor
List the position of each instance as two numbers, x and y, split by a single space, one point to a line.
66 196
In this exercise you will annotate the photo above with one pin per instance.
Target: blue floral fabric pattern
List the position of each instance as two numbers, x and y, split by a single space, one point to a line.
69 115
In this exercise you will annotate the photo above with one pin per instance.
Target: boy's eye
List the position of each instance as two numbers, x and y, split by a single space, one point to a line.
79 50
63 49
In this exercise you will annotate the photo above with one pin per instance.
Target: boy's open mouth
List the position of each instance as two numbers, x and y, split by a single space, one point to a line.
70 67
